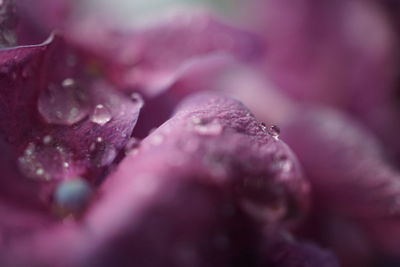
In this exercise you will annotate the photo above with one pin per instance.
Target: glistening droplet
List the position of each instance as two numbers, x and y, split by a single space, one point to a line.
274 131
101 115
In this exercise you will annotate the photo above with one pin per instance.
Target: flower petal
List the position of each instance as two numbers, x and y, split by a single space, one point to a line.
193 191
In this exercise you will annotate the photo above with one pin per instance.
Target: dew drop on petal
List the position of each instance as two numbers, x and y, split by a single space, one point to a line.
72 196
63 104
274 131
101 115
47 139
68 82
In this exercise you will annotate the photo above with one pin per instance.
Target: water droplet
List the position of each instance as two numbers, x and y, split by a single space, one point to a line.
274 131
99 139
63 104
72 196
101 115
69 82
65 164
138 99
47 139
132 146
39 171
263 126
207 126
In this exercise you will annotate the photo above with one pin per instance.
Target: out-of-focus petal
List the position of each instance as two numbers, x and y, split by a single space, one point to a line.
152 58
348 171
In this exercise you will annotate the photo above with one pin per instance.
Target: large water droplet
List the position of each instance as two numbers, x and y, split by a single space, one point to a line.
63 104
101 115
72 196
206 126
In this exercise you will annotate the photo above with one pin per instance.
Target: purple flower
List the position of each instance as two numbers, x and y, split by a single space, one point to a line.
202 180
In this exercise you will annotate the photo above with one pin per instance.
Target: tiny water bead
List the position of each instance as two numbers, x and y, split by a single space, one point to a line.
72 196
101 115
68 83
47 139
272 130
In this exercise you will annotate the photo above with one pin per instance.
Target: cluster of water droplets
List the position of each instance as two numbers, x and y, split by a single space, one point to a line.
44 160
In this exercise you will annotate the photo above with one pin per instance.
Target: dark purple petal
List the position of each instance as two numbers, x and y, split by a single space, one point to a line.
194 191
323 51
